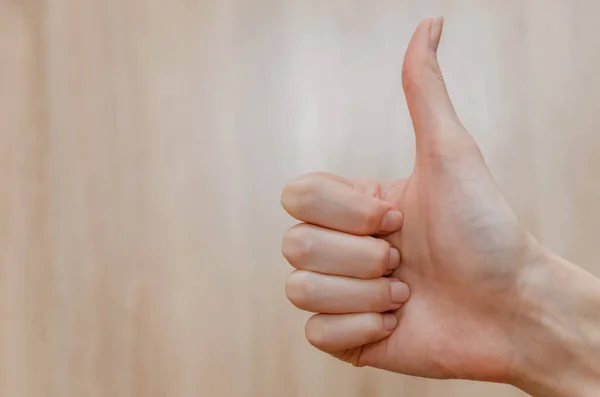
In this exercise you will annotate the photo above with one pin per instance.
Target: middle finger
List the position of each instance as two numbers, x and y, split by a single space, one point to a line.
322 250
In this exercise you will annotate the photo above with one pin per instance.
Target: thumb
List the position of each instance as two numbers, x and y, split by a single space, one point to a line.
428 101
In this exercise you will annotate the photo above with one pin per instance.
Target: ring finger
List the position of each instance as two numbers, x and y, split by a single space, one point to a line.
321 293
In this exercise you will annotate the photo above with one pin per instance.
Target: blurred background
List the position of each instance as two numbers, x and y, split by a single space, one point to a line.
144 145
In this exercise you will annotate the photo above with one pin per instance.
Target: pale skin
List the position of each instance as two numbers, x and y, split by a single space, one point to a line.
434 275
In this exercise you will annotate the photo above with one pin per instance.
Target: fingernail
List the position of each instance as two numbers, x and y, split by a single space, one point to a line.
436 32
394 259
390 322
391 222
400 291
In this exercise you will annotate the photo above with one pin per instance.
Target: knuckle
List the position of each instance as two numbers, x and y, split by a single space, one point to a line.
300 194
453 151
371 219
409 80
373 325
298 288
381 255
297 244
381 298
316 332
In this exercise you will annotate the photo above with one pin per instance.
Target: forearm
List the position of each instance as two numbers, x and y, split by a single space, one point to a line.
560 354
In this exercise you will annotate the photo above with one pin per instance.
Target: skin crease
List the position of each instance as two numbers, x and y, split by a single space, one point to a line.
462 251
462 263
487 301
462 246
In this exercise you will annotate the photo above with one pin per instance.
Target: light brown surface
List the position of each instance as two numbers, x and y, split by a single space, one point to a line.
144 144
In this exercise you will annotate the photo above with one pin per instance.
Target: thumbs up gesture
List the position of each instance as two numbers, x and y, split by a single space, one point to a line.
423 276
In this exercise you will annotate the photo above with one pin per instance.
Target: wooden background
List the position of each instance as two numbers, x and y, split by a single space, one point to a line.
144 144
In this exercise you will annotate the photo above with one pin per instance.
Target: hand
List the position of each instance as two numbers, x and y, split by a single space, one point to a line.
464 253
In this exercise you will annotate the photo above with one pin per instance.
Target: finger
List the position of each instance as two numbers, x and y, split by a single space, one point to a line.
322 250
323 201
322 293
426 94
333 333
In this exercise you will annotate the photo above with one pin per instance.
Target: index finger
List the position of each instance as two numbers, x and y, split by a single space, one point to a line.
333 202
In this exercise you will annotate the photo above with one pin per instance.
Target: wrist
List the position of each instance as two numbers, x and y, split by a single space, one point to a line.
558 330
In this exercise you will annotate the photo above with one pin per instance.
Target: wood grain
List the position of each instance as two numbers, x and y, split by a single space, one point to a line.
144 145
